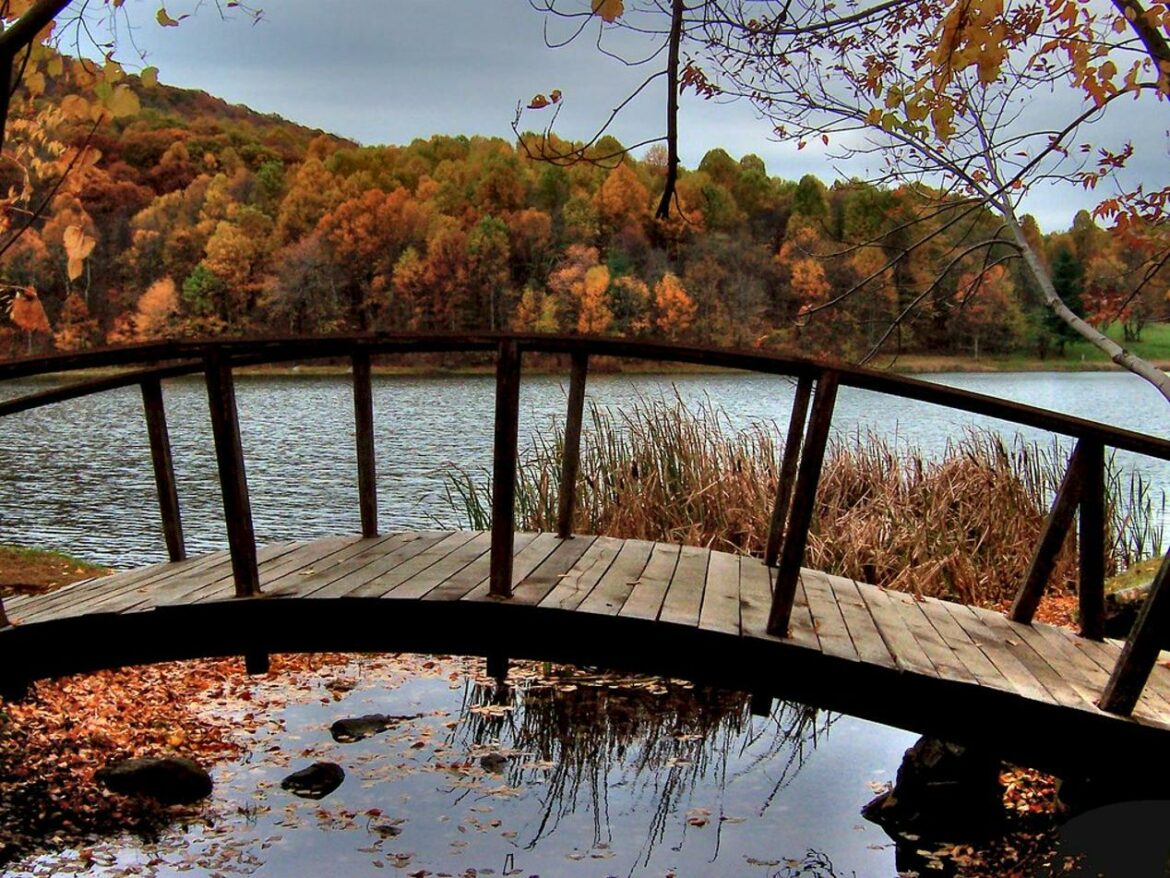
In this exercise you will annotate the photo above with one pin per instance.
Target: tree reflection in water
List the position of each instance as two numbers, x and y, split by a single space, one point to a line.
575 733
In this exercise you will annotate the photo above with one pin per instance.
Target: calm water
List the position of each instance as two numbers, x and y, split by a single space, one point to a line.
616 790
76 477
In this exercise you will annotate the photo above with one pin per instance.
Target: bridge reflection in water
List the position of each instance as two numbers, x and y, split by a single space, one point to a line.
1039 695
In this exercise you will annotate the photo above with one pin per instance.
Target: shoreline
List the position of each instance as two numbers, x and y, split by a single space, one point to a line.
910 364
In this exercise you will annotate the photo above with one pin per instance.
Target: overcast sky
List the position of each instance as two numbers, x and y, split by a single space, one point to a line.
388 71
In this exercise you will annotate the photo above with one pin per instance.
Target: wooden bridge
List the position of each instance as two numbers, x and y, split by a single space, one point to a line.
1065 701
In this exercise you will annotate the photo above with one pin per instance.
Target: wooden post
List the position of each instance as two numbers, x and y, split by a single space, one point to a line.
497 667
229 456
803 501
257 663
4 620
164 468
570 463
1141 648
1059 520
504 466
363 417
761 704
1091 588
788 469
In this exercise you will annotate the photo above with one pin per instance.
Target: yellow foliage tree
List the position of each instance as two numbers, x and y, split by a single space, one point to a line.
675 308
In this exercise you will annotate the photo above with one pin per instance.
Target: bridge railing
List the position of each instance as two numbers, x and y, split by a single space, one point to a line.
1081 492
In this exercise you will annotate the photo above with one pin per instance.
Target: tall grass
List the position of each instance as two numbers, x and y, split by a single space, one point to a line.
961 525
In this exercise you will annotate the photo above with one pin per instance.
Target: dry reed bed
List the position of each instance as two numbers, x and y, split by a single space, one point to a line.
961 525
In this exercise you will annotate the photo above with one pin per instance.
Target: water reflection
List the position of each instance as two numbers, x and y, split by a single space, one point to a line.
561 772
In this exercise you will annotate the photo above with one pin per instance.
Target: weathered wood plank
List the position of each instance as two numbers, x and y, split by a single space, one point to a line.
962 646
827 620
720 608
1017 639
611 591
377 583
645 601
684 595
288 568
406 547
581 578
1013 669
535 587
908 653
73 601
449 567
867 638
340 564
948 664
530 552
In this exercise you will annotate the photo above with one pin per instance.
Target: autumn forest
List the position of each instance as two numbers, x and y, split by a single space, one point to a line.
190 217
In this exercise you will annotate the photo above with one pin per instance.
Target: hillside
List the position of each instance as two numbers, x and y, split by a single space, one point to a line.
203 218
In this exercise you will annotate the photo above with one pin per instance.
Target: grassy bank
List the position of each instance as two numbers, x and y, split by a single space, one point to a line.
31 571
961 526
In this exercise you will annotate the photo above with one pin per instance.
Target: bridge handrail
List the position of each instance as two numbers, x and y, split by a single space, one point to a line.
1081 490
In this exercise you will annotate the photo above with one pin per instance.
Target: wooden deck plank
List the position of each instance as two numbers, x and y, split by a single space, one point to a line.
828 622
352 558
581 578
477 551
720 608
1022 642
1021 678
616 584
964 649
942 656
535 587
117 600
379 580
645 601
871 645
719 592
684 596
60 601
890 616
529 554
382 565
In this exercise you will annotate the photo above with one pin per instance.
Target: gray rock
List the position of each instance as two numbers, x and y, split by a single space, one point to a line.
315 782
493 762
346 731
172 780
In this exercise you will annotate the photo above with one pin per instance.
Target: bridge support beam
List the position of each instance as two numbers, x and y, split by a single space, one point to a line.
571 458
229 456
256 663
363 416
164 468
788 469
1141 648
1056 527
808 477
504 467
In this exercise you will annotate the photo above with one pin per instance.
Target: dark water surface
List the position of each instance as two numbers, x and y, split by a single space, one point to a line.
594 782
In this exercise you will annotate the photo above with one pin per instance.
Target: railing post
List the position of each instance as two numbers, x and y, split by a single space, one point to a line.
803 501
4 620
571 459
164 468
1052 537
1091 587
363 417
504 466
1141 648
229 456
788 469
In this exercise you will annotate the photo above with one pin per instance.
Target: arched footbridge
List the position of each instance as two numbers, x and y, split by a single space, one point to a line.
1057 699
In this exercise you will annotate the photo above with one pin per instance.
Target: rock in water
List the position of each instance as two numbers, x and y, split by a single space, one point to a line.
944 792
346 731
172 780
315 782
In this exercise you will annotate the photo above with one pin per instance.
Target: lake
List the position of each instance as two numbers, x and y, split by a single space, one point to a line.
77 477
599 776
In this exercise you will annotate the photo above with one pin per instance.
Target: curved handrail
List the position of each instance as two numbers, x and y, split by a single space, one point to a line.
1082 488
186 357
